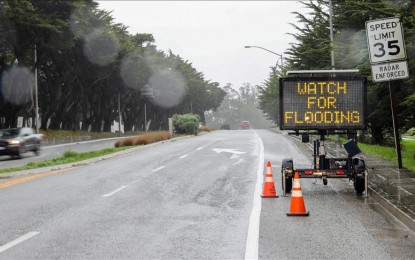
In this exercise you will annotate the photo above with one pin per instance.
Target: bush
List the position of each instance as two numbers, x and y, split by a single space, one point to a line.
225 127
186 124
143 139
205 128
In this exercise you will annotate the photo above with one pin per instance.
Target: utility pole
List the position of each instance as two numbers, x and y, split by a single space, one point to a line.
36 95
119 114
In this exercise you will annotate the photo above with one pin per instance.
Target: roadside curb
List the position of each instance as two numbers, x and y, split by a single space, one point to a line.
396 212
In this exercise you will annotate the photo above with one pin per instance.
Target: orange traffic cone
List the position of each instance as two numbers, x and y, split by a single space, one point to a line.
269 186
297 207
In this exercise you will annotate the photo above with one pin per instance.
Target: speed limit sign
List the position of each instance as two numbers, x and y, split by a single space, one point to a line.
385 40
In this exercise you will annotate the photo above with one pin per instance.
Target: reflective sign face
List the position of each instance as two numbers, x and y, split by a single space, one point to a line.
322 103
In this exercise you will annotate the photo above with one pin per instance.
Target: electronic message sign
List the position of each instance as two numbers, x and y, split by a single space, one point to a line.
323 103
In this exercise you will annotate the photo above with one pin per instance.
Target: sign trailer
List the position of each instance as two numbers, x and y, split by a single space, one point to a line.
316 105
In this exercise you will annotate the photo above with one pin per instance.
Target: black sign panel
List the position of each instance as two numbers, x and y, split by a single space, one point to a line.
323 103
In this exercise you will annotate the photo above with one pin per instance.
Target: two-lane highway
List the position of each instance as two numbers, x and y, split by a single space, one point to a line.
194 198
189 198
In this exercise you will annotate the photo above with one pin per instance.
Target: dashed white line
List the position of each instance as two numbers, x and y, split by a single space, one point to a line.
394 170
18 241
159 168
112 193
407 192
200 148
184 156
380 176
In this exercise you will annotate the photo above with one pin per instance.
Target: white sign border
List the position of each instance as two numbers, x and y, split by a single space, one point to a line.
368 40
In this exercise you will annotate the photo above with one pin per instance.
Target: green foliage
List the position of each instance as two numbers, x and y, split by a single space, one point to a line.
237 106
312 50
269 96
87 63
186 124
389 153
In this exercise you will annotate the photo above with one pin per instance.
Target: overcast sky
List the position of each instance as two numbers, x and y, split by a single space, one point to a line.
212 34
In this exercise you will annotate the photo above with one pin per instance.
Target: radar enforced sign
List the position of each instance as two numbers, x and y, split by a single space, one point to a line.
386 45
323 103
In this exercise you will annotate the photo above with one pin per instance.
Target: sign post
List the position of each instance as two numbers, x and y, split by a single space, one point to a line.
387 55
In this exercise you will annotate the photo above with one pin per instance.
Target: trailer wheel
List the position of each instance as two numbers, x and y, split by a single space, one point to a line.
288 183
287 164
359 185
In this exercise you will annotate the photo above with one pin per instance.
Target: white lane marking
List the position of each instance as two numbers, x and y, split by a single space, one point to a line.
200 148
184 156
232 151
18 241
112 193
380 176
395 170
407 192
238 162
159 168
251 249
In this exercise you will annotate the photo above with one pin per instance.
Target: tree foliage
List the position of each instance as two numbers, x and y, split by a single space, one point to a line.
90 70
312 50
237 106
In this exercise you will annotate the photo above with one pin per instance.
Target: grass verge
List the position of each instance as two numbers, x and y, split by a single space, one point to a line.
389 153
72 157
68 157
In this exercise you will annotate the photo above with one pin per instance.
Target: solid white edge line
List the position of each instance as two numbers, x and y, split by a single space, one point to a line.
251 249
112 193
18 241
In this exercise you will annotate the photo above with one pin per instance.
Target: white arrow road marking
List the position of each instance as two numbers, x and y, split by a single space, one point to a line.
232 151
18 241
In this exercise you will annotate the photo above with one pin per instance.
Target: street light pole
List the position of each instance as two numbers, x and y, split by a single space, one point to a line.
119 114
282 62
331 34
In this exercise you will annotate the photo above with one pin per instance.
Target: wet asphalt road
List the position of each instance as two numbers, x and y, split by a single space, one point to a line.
192 199
341 224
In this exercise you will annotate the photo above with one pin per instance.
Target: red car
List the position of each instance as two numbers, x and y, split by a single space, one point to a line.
245 125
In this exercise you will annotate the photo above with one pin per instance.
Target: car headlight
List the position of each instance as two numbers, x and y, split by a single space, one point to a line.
14 142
